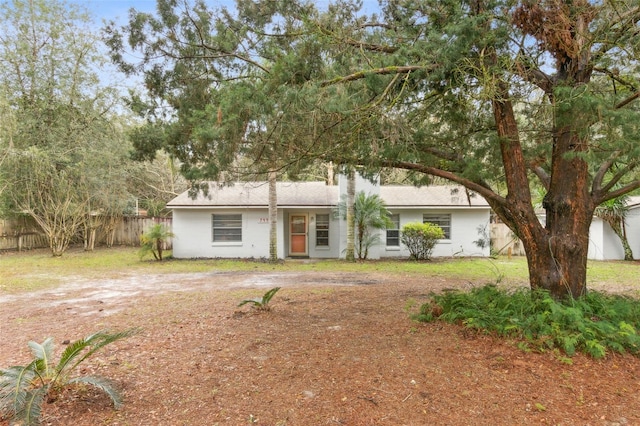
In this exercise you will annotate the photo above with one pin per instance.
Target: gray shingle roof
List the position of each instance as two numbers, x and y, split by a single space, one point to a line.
634 201
256 194
431 196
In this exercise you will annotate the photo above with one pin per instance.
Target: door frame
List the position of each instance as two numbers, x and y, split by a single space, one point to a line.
305 234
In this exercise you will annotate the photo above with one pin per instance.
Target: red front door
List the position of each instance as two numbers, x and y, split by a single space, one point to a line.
298 235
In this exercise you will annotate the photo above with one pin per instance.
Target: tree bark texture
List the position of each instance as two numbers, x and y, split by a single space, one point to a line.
351 197
557 252
273 217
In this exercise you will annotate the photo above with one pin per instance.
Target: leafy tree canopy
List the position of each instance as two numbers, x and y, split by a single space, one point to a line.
496 95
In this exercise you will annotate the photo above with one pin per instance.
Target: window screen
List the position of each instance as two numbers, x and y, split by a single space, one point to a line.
393 232
322 230
442 220
227 227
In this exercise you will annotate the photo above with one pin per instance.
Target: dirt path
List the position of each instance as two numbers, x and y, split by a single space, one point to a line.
337 349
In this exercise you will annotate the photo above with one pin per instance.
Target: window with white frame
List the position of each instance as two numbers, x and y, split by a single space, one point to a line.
442 220
227 228
322 230
393 231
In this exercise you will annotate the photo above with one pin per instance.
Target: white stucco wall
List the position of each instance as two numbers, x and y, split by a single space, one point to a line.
596 242
604 244
193 229
633 230
464 231
613 249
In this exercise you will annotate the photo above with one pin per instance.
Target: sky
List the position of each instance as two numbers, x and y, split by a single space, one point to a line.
118 9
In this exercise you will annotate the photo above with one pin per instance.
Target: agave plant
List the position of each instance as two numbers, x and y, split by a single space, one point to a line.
24 388
261 303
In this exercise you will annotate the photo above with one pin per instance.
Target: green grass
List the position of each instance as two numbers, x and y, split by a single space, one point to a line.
29 271
619 271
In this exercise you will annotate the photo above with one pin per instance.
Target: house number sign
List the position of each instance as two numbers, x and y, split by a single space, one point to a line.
263 220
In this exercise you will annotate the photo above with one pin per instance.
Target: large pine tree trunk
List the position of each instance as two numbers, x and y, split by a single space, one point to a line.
557 258
557 251
569 212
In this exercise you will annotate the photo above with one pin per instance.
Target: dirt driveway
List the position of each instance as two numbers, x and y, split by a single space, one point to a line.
337 349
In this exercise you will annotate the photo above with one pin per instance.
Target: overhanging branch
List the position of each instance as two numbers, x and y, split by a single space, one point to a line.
618 192
376 71
481 189
628 100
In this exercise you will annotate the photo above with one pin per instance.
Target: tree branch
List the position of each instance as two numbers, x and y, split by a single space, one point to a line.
628 100
536 77
379 71
542 175
614 75
596 186
619 175
483 189
625 21
370 47
618 192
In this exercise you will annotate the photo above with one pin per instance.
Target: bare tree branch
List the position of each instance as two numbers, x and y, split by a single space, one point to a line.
542 174
628 100
483 189
596 186
379 71
619 175
618 192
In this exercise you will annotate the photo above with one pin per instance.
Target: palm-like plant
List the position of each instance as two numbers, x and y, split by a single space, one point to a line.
154 239
614 212
261 303
370 213
24 388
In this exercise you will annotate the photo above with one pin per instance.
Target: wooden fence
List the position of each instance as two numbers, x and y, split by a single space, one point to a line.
504 242
24 234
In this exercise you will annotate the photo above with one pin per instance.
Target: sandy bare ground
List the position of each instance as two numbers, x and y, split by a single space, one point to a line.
337 349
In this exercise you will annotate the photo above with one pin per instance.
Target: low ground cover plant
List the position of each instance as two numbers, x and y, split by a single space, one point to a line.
261 303
594 324
25 388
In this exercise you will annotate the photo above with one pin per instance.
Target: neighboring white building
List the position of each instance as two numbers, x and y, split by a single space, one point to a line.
604 244
233 221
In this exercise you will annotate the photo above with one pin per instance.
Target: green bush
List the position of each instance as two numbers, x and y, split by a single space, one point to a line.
420 239
594 324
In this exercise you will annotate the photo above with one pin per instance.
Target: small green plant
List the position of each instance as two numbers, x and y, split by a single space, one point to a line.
595 324
153 241
24 388
540 407
261 303
420 239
